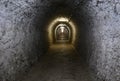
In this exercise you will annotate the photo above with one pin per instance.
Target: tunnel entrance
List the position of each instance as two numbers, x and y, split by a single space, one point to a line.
62 33
61 30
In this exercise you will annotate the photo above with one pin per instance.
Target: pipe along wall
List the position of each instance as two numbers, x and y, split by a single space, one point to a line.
23 35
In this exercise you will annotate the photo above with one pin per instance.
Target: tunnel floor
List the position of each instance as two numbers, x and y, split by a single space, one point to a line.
60 63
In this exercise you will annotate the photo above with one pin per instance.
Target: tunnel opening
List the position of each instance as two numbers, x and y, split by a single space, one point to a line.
66 41
62 33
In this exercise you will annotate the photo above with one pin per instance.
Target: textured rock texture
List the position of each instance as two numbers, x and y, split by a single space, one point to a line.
21 41
60 64
103 39
23 26
98 22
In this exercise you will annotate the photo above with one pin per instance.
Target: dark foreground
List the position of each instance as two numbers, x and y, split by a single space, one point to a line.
61 63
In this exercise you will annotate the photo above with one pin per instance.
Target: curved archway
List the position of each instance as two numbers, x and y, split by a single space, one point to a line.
62 33
58 22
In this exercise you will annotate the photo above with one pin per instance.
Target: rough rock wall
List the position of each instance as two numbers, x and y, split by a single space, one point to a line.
21 34
21 39
103 39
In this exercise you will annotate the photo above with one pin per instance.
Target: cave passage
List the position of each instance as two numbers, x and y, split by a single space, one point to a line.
59 40
62 33
62 62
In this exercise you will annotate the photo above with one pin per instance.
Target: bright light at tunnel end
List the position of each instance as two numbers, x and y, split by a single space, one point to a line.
51 26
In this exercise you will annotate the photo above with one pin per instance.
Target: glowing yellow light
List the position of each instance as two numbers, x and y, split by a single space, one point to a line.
62 29
61 19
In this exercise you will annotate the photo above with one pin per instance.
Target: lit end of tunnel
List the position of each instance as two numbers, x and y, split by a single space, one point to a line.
61 31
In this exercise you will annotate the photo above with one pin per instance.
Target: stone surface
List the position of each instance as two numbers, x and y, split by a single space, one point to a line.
21 42
60 64
23 32
103 39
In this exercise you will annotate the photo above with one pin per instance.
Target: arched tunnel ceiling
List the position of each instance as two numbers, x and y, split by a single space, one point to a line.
23 26
62 32
51 26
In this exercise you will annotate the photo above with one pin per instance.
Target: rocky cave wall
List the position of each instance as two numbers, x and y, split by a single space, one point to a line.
98 40
103 38
21 39
22 34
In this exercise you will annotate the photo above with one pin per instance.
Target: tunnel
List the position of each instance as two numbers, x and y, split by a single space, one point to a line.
59 40
62 33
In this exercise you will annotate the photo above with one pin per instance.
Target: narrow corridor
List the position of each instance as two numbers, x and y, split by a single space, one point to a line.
59 40
61 63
